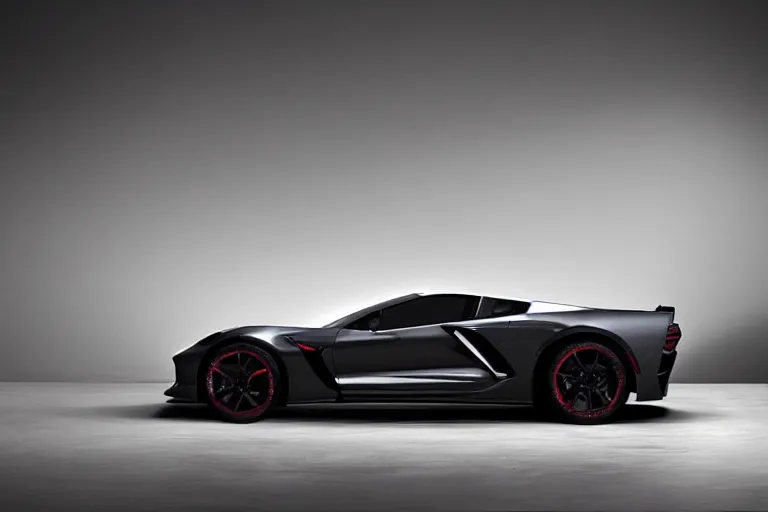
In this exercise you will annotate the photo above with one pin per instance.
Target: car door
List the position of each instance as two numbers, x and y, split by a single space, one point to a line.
412 350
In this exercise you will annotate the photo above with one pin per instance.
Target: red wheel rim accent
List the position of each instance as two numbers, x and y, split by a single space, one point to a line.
242 387
613 371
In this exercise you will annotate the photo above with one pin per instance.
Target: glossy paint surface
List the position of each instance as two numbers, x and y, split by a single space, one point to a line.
487 360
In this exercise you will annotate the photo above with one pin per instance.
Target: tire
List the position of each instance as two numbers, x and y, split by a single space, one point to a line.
242 383
586 384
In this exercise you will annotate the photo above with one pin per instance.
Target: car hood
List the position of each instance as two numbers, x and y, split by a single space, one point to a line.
265 332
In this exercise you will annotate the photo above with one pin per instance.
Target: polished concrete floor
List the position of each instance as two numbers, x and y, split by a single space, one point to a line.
121 447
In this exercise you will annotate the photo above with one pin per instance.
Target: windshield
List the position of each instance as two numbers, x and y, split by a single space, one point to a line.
343 321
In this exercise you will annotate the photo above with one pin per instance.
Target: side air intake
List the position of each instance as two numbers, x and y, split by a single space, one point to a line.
484 351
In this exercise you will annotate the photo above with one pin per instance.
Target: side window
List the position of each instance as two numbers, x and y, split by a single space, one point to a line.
433 309
502 307
364 323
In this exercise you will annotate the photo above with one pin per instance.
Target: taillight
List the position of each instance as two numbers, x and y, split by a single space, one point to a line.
673 337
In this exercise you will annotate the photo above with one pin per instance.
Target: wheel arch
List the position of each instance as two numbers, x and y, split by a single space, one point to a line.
583 333
251 340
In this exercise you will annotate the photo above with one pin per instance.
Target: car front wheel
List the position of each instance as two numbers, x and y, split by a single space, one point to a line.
242 382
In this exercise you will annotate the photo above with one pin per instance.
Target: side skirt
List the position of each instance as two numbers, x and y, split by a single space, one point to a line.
419 382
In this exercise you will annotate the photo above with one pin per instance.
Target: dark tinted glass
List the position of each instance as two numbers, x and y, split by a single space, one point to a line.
434 309
502 307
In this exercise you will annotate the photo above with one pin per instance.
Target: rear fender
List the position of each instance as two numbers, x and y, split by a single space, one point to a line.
583 330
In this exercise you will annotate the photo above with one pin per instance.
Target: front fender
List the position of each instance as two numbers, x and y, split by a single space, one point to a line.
300 382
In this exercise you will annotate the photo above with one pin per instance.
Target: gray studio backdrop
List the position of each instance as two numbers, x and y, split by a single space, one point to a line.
170 169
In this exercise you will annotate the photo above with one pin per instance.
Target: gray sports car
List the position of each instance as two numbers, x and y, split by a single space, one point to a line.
577 364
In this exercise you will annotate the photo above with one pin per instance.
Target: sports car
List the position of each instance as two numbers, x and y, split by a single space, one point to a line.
575 364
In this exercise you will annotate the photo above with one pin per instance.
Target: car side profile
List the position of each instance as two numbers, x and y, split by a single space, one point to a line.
576 364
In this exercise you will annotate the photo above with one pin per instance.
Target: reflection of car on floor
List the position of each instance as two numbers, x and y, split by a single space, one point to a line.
575 363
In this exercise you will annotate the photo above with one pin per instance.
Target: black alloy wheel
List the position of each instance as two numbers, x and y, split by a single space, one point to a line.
242 382
588 383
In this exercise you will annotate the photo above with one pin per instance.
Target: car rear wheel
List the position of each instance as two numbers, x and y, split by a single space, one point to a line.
242 382
587 383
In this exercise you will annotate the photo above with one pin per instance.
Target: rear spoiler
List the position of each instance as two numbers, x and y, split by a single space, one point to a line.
667 309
